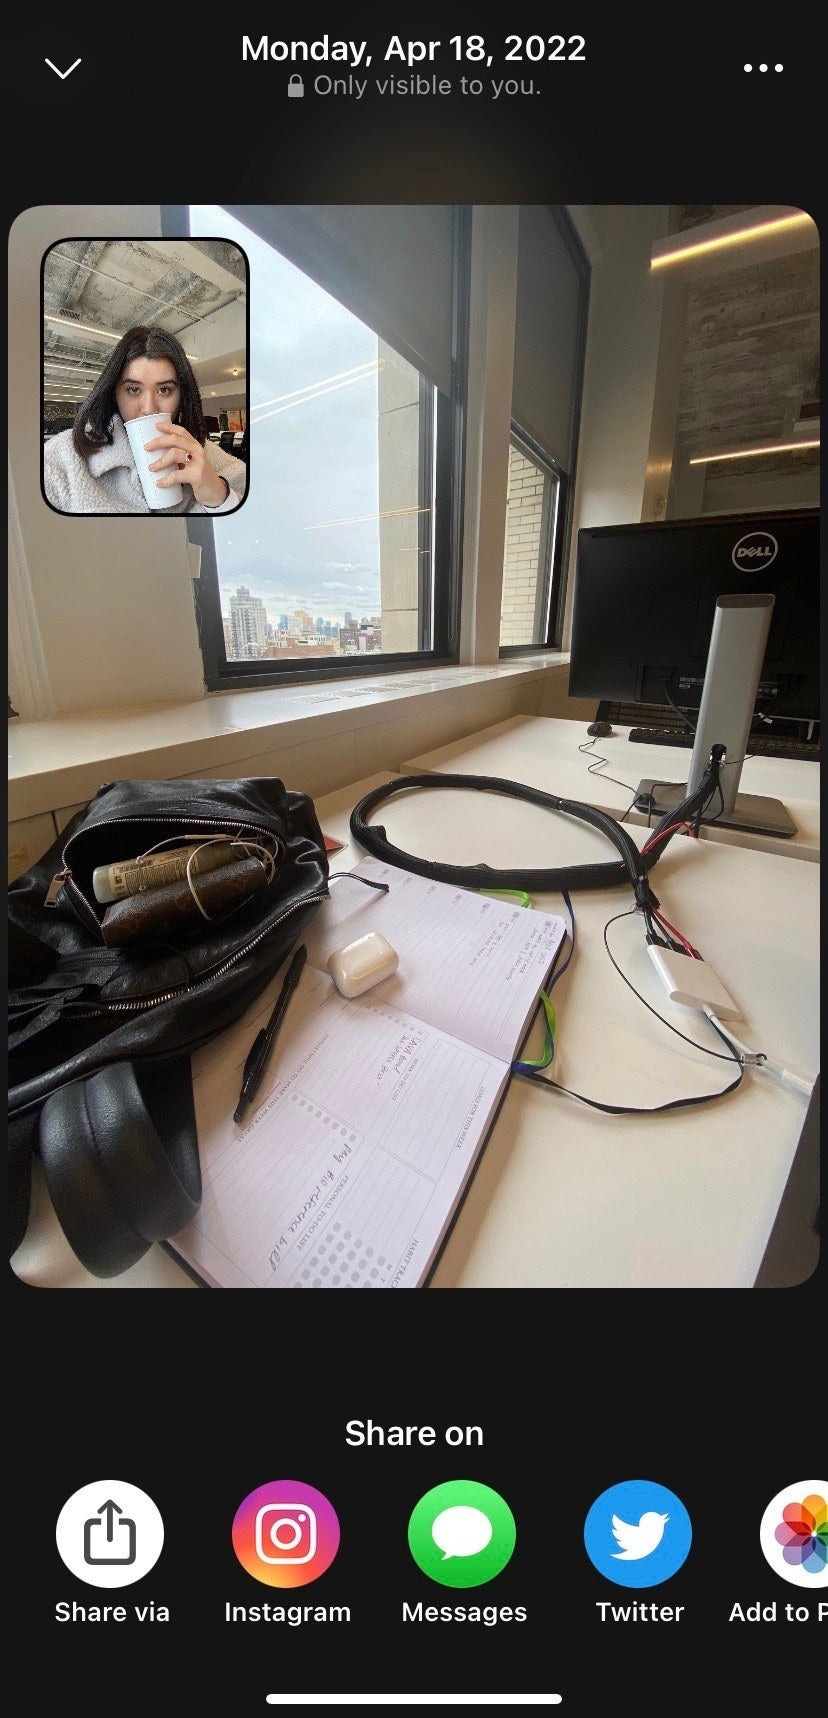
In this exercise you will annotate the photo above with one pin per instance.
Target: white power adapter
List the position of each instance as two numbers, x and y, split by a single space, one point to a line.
692 982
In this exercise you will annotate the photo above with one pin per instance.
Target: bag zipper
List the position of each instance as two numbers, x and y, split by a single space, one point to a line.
181 989
62 878
58 882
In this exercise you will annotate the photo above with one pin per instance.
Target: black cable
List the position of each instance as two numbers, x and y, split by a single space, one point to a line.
668 1023
354 877
593 770
633 1109
571 911
560 970
632 868
647 1109
679 712
694 807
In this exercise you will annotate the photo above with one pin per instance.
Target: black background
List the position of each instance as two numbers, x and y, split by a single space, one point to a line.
199 1398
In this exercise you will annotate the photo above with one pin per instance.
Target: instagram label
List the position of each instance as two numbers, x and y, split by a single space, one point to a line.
285 1533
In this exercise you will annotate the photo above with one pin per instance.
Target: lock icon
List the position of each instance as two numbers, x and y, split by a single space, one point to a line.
295 85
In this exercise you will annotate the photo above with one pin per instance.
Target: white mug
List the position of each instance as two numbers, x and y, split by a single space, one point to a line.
141 430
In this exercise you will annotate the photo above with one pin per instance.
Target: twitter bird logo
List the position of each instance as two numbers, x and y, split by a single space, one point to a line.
626 1537
638 1541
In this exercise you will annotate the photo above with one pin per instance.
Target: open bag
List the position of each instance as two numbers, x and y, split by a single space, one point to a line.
100 1036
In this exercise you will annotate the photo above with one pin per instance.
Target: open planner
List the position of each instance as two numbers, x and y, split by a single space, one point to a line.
353 1157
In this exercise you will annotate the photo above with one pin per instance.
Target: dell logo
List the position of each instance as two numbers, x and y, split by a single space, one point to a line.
757 548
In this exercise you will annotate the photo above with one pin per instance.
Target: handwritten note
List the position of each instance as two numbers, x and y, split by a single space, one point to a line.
347 1171
468 963
354 1156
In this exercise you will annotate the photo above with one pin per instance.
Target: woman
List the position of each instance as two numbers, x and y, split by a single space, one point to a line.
89 468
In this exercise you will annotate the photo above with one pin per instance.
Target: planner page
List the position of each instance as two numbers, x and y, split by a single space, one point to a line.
352 1158
469 963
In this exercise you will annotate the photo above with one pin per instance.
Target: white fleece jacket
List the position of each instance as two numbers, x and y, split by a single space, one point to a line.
107 482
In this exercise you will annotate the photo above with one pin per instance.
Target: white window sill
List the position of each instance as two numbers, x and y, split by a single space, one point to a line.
63 760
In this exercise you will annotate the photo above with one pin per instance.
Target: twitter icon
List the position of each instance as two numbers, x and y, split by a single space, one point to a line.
637 1533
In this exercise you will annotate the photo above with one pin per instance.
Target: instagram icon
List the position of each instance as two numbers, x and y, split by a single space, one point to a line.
285 1533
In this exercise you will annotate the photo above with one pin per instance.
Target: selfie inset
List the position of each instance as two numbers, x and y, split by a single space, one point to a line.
144 376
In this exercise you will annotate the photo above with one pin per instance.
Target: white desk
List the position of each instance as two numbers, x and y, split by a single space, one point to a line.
544 751
565 1196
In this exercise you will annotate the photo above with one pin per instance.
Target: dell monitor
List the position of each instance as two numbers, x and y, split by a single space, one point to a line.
717 617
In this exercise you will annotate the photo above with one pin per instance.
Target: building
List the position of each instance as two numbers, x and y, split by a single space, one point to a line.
248 626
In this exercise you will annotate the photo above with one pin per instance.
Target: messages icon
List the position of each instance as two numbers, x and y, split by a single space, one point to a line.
462 1533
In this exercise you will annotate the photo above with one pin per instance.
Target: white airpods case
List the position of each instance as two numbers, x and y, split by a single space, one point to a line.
362 964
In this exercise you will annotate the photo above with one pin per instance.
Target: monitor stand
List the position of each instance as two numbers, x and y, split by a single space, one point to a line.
734 664
752 812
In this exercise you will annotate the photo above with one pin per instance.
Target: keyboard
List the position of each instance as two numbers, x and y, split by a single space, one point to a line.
758 746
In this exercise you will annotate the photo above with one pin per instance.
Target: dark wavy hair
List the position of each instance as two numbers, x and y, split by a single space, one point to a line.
91 428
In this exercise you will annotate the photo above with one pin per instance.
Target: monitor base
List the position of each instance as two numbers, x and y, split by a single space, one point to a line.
752 812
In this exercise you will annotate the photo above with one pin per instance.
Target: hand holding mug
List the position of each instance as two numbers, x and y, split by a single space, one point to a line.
182 459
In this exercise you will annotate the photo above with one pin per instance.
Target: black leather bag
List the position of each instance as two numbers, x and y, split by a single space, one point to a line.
100 1037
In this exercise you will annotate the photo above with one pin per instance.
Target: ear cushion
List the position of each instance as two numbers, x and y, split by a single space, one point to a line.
120 1157
22 1143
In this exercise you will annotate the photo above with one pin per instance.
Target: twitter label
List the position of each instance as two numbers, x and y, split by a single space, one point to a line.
637 1533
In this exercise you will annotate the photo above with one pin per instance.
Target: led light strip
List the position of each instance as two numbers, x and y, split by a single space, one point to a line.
702 247
753 452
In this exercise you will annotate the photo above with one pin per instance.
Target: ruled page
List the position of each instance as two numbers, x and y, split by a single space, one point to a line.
470 964
353 1156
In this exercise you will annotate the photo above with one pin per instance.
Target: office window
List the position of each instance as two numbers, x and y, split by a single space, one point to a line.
343 557
550 335
529 562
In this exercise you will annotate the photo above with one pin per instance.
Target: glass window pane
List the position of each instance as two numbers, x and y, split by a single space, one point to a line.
332 553
531 516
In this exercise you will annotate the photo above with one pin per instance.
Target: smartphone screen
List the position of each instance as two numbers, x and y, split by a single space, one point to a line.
587 1471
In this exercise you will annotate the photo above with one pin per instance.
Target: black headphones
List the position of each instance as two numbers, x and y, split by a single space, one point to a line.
120 1157
632 867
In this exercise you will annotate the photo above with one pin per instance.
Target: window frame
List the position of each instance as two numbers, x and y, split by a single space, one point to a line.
550 551
442 450
557 575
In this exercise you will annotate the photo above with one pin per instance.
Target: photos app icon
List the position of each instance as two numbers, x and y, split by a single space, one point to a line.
794 1533
285 1533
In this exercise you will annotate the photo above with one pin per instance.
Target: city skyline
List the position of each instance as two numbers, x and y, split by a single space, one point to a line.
292 604
250 635
308 533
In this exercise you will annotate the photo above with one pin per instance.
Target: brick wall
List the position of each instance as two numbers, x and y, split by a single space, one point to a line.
524 512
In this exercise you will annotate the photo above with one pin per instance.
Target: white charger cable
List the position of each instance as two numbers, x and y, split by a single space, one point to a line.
787 1077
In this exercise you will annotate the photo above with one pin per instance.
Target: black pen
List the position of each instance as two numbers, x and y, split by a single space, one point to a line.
264 1040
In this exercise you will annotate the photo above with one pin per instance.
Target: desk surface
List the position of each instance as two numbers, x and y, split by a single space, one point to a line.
544 750
565 1196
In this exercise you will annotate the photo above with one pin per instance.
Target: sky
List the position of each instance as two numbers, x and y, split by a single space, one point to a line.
313 461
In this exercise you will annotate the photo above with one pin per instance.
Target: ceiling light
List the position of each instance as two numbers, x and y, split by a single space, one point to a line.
105 334
753 452
82 327
82 371
723 235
